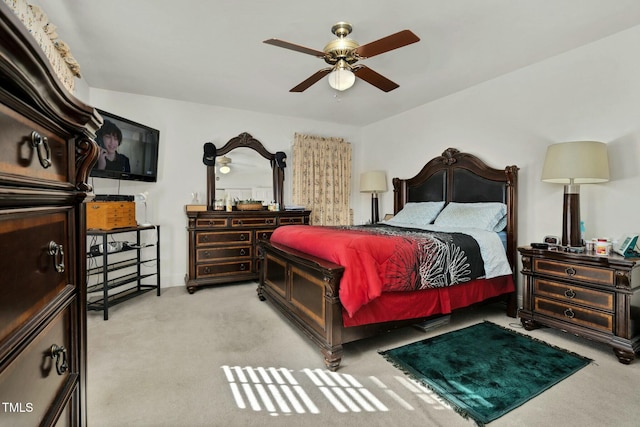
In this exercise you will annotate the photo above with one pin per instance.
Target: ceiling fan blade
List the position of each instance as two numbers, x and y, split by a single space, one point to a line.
385 44
311 80
378 80
297 48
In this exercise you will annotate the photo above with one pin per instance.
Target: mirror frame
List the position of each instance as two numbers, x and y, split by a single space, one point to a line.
245 140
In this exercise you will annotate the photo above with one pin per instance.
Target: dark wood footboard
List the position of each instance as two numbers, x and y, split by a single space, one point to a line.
305 290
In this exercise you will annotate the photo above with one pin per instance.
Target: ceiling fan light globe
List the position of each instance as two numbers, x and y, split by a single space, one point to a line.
341 79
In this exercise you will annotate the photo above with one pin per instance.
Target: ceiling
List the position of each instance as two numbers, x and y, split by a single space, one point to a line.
211 52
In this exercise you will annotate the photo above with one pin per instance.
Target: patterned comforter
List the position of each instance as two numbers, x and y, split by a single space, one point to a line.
380 258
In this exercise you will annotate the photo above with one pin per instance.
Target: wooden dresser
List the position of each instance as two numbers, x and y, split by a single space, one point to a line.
46 151
222 245
593 296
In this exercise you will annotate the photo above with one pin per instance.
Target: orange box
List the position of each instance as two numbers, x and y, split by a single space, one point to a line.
110 215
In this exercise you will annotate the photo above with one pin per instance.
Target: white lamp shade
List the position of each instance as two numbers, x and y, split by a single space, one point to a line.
341 79
373 182
577 162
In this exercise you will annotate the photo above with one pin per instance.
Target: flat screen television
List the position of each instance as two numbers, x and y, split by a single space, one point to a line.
128 150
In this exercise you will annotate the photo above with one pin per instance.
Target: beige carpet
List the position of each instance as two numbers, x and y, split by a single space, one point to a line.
221 357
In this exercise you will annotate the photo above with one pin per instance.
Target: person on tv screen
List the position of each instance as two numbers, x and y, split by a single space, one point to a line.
109 138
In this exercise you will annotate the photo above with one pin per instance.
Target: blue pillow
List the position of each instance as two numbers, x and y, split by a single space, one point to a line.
418 213
489 216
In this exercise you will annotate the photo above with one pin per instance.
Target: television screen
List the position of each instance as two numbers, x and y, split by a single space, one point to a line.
128 150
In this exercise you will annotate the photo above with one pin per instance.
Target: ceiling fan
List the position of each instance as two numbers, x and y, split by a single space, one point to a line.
224 162
343 54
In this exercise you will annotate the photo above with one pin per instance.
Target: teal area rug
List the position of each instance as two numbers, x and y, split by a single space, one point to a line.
485 370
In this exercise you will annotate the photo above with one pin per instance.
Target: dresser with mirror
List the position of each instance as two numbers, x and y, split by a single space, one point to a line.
222 243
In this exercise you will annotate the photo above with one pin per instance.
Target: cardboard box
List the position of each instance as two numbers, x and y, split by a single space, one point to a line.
110 215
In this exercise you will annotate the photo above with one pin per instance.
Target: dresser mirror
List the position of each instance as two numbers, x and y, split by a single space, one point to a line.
254 172
249 176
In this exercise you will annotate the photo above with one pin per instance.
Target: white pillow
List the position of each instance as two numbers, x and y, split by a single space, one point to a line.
418 213
488 216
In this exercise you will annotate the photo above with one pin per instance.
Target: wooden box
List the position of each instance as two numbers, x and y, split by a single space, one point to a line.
110 215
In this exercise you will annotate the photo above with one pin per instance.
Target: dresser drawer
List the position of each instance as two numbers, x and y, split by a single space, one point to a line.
31 383
211 222
575 294
566 270
224 268
574 314
204 238
263 234
30 279
209 254
293 220
253 222
19 157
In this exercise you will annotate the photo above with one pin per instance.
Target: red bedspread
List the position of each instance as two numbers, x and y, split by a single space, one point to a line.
377 263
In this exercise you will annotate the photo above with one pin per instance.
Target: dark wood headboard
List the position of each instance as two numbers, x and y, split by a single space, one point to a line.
462 177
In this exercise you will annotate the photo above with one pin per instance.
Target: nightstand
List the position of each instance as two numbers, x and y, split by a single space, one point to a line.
593 296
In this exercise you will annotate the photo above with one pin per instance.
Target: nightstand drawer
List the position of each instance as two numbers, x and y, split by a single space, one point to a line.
574 314
575 294
573 271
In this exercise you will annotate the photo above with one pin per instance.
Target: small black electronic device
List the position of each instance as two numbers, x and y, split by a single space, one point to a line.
552 240
540 245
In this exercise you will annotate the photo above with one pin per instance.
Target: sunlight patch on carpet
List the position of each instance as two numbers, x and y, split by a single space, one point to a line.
281 391
485 370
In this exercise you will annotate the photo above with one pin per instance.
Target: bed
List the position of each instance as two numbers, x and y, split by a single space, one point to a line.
311 287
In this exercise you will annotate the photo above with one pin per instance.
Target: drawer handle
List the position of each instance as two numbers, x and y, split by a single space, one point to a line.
207 254
57 252
569 313
265 235
243 237
204 238
268 221
242 252
41 145
239 222
570 271
243 267
207 270
59 354
569 293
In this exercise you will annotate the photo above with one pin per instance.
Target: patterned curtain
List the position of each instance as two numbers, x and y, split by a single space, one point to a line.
322 178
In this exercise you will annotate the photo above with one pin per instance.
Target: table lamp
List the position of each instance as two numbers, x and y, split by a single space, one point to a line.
373 182
572 164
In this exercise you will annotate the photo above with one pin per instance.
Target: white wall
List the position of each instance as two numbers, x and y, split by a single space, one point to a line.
184 128
591 93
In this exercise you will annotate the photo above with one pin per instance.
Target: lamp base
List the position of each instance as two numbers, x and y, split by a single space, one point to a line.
375 215
571 234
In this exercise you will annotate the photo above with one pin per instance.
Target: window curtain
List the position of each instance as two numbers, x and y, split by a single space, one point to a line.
322 178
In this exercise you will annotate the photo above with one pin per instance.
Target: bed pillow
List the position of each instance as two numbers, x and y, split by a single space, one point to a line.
488 216
418 213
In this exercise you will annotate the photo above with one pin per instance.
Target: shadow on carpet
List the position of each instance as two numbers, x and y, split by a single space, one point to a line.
485 370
